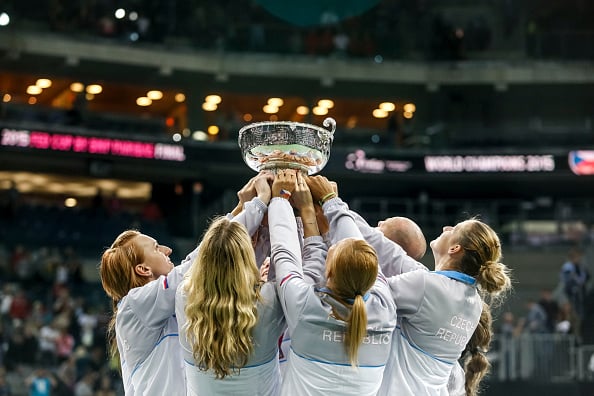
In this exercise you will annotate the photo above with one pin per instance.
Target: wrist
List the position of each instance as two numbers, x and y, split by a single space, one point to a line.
265 198
286 194
237 209
307 212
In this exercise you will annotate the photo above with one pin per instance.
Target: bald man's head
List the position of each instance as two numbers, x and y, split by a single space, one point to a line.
405 233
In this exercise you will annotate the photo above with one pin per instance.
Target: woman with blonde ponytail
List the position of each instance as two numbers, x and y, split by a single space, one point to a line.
445 314
340 329
138 275
439 312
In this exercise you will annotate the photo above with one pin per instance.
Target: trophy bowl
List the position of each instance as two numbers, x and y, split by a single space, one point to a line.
286 144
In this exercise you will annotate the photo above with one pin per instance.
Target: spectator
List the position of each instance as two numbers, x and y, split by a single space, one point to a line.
39 314
509 331
341 43
84 387
22 346
21 263
67 374
536 318
63 303
20 307
567 321
6 301
47 345
574 277
74 265
539 352
88 323
105 387
4 386
62 274
509 328
40 383
64 343
551 308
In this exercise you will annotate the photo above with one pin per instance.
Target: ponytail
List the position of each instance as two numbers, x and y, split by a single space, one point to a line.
356 328
481 259
111 335
353 271
494 280
118 277
476 364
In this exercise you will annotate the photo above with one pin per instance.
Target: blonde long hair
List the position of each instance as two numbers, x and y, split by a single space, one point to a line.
476 364
118 276
353 271
481 260
222 288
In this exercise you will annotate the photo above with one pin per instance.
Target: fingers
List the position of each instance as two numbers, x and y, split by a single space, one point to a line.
321 187
285 179
334 186
287 175
265 174
248 191
302 182
300 178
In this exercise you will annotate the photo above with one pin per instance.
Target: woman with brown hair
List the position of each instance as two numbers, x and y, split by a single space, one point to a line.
340 330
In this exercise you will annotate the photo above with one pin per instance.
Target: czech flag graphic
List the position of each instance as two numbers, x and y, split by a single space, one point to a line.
582 162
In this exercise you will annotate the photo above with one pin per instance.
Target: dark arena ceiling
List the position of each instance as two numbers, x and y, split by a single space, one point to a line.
499 101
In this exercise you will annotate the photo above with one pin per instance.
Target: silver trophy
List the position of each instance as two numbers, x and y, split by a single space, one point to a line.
285 144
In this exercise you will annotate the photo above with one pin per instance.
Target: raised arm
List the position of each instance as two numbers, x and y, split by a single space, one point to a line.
314 248
254 198
293 290
393 259
343 225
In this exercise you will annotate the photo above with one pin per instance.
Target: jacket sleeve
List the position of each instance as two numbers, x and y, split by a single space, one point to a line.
314 259
393 259
252 214
293 289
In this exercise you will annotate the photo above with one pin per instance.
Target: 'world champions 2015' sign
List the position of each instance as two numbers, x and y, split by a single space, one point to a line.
489 163
358 161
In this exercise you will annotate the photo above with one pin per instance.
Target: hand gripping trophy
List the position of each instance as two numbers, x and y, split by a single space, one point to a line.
285 144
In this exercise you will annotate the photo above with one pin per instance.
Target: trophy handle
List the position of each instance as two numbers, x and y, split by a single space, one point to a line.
330 123
327 137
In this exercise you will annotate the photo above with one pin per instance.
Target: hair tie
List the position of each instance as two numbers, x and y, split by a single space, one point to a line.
365 297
